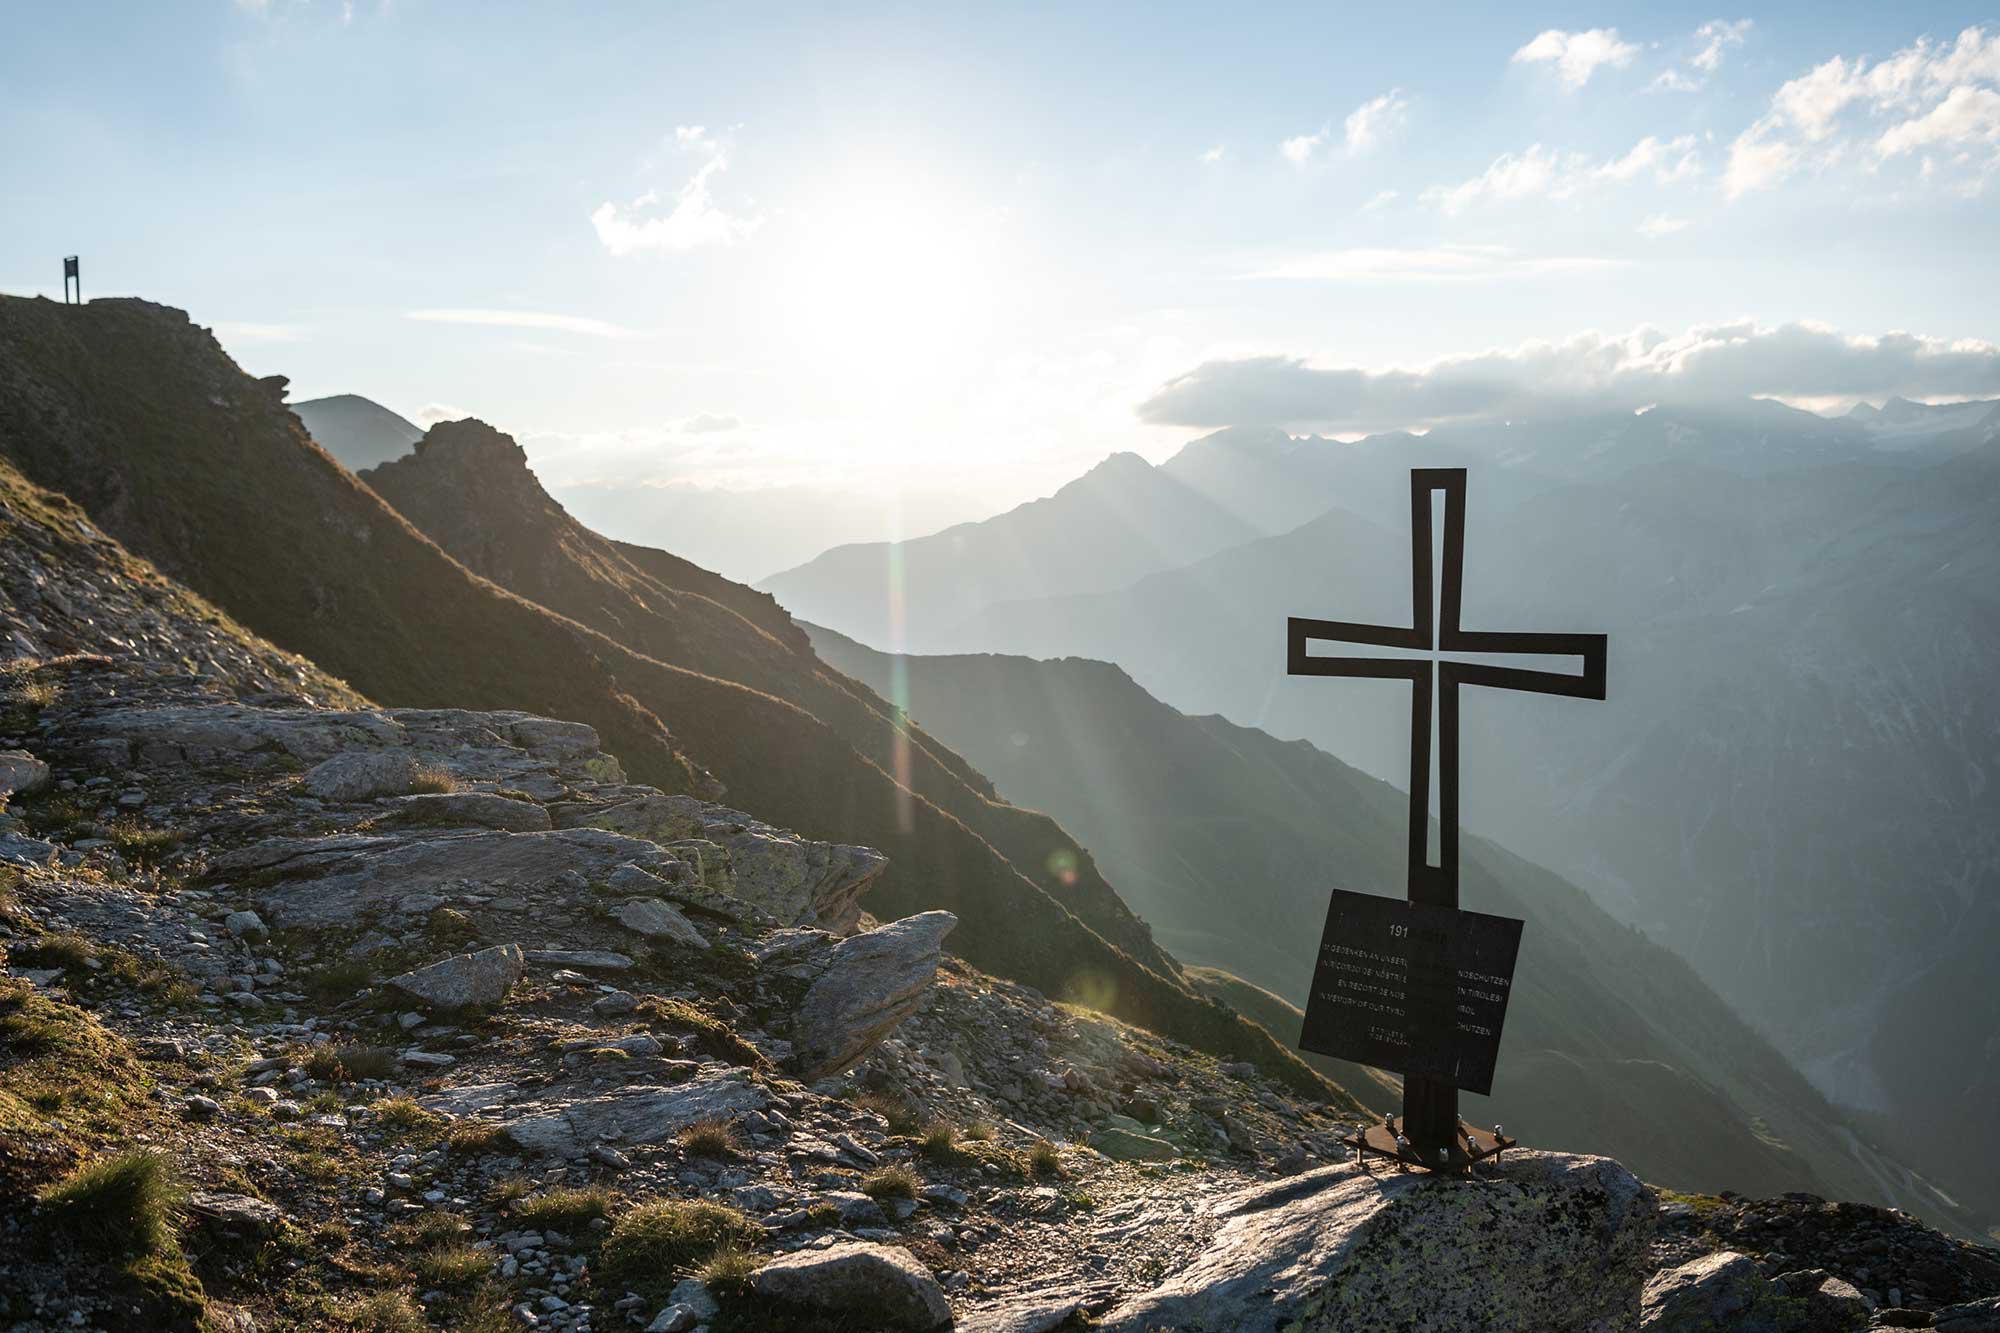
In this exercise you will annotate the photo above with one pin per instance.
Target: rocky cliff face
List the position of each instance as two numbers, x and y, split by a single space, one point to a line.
320 1015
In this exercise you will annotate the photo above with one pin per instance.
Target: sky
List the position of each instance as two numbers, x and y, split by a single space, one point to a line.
971 250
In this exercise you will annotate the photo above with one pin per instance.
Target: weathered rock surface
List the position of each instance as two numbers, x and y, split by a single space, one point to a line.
570 1125
881 1283
803 883
482 808
1547 1242
469 979
872 983
658 919
1720 1290
1126 1145
358 775
21 774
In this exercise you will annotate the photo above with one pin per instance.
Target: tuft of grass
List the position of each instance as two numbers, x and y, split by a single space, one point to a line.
404 1115
349 1062
58 1062
128 1206
939 1142
454 1265
980 1131
428 1231
508 1189
71 952
902 1117
476 1136
709 1138
728 1272
653 1244
712 1036
1044 1160
570 1208
142 846
435 779
891 1182
383 1312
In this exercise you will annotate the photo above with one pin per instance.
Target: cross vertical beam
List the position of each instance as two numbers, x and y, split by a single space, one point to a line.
1430 1106
72 274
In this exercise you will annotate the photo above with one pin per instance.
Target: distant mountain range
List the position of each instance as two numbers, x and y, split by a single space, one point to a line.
357 431
1791 784
1120 521
1228 841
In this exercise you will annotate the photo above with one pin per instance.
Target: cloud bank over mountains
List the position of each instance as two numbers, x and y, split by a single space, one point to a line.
1797 362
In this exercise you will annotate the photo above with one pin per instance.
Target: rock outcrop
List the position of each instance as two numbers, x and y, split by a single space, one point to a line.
878 1283
870 984
1547 1242
466 981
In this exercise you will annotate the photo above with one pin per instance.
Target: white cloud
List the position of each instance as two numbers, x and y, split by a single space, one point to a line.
1382 199
1578 55
431 413
525 319
1541 171
1658 225
1371 123
1716 36
1446 263
1967 115
1927 95
695 219
1298 149
1591 370
1214 154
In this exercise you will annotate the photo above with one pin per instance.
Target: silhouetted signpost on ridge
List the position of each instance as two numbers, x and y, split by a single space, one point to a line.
1418 986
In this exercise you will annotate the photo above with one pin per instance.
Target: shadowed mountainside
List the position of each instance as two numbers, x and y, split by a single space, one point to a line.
139 416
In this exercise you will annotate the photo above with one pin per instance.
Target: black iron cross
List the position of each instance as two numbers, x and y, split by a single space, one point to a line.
1430 1108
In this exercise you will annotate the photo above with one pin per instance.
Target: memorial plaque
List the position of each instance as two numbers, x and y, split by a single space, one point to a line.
1412 988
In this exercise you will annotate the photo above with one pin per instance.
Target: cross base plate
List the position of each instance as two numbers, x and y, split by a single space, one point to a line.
1471 1145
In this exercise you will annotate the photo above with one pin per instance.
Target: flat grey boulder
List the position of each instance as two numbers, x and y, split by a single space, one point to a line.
658 919
466 980
331 881
21 774
361 775
800 882
881 1282
206 732
483 809
1720 1290
569 1126
1547 1242
872 982
590 960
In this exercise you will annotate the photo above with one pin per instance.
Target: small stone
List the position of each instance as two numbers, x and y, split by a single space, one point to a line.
202 1108
883 1282
245 925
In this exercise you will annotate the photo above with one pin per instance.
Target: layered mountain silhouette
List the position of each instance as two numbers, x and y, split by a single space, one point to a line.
1228 841
1790 784
356 430
140 417
1121 520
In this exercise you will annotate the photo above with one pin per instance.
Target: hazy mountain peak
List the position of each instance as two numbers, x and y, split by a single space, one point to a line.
358 431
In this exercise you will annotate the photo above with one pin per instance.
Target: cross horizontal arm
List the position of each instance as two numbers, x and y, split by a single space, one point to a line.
1589 684
1299 631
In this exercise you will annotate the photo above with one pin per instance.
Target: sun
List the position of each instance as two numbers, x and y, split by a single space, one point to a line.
888 287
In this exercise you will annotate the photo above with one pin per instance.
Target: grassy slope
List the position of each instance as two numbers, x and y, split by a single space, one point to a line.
139 417
1227 840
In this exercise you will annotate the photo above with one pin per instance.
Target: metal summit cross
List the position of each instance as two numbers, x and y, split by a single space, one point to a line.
1420 987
